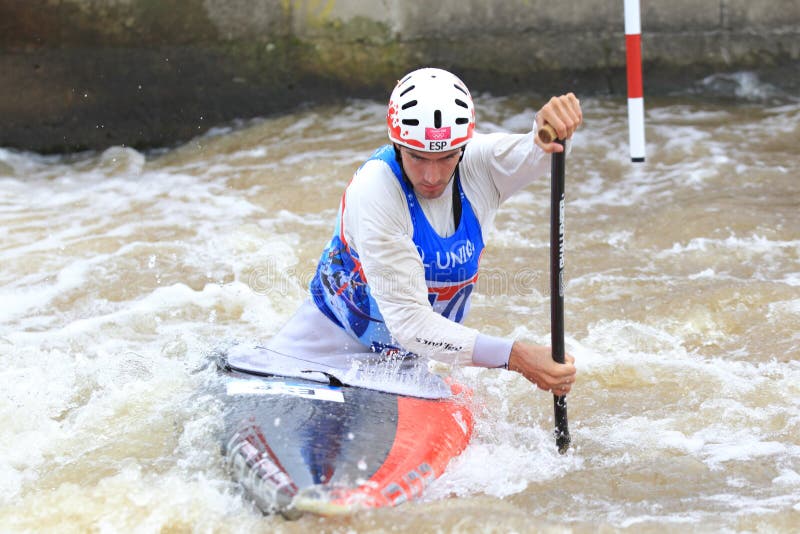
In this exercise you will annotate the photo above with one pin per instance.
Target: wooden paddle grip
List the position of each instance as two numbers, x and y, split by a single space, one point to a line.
547 134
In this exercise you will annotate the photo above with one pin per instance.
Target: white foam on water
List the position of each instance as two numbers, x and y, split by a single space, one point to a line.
744 84
509 452
754 244
783 308
120 271
768 258
788 477
41 391
792 279
744 448
505 454
85 394
17 301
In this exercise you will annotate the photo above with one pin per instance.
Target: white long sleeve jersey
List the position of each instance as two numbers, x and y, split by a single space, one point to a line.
377 223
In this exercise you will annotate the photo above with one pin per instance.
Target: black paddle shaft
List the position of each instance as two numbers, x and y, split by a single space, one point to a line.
557 289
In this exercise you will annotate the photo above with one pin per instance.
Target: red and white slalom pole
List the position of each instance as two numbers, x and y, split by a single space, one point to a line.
633 48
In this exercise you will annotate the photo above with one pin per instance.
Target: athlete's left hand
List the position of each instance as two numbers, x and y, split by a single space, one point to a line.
564 114
535 362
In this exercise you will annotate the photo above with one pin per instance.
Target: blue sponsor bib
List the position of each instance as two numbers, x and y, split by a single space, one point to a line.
341 291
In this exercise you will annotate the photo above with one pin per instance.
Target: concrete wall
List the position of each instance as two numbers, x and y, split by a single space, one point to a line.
77 74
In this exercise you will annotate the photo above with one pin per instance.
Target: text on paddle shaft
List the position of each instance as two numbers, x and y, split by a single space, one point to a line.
561 233
561 210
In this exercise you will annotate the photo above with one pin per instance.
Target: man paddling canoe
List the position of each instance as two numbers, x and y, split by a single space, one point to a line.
398 273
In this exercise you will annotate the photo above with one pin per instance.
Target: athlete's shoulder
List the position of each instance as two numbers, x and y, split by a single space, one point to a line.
375 179
374 199
492 145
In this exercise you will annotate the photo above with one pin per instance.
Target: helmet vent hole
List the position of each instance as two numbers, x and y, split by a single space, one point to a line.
437 119
407 90
462 120
410 104
461 89
411 122
462 103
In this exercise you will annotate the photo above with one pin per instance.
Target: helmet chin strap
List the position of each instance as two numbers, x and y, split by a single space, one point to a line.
456 186
399 159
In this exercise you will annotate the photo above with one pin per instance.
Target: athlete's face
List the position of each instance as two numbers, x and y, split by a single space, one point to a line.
429 172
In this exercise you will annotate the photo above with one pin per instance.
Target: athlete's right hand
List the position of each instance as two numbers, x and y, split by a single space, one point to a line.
564 114
535 363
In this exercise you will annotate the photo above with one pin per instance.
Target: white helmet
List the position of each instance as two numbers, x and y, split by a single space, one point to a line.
431 110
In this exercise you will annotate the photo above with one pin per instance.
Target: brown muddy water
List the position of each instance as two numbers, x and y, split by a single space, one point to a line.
121 271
